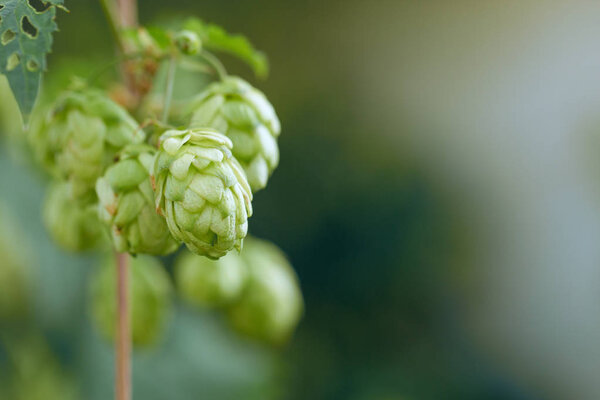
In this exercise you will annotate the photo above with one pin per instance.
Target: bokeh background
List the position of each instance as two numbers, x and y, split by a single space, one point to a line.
438 197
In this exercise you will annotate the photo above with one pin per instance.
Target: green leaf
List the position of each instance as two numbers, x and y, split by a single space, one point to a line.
216 38
26 28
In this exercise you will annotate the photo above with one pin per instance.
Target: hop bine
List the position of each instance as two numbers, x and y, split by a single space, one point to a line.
80 135
126 204
202 191
243 114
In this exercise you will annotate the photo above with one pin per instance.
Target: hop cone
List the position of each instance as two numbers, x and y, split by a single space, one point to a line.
271 304
72 221
79 136
244 114
202 191
208 283
149 304
126 204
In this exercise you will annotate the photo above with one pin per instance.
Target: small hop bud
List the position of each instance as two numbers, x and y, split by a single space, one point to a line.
150 298
271 303
78 138
71 221
202 191
243 114
209 283
188 42
126 204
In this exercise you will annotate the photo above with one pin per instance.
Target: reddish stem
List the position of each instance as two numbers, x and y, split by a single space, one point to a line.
123 345
128 13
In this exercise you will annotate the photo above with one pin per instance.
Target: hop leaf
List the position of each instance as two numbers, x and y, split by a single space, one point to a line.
150 298
25 39
71 221
245 115
208 283
202 191
80 135
126 204
214 37
271 303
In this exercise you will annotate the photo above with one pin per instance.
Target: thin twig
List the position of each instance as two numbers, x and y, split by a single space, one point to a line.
109 12
215 63
169 89
123 334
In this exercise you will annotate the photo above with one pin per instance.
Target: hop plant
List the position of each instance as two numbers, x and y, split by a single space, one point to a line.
202 191
244 114
71 221
80 135
126 204
271 304
150 289
208 283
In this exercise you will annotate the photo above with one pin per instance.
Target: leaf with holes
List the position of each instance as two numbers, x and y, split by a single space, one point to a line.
26 28
216 38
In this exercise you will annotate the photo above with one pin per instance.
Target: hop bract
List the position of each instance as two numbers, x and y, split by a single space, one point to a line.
209 283
79 136
244 114
149 307
126 204
72 221
202 191
271 303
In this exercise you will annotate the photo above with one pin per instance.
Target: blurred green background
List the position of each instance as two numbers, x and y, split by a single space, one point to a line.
437 196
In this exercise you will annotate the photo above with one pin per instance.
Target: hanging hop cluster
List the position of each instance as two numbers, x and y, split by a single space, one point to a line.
236 109
202 191
126 204
80 135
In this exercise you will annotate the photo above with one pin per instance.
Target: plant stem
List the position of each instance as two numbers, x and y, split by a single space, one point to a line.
169 89
109 12
123 350
127 15
215 63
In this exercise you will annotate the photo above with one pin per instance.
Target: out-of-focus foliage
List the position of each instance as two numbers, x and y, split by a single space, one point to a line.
214 37
15 266
34 372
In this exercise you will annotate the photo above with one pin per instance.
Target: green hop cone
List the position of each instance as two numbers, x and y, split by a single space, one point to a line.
150 298
244 114
80 135
71 221
202 191
209 283
126 204
271 303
